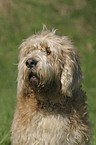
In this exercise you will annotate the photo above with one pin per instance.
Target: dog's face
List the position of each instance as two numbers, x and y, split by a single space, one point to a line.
42 67
47 60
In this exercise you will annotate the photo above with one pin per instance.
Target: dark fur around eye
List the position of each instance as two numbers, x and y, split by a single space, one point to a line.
48 51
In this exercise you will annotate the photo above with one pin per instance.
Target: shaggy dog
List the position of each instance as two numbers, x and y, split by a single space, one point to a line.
51 108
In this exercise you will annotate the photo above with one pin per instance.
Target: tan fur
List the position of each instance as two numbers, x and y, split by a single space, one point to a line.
51 110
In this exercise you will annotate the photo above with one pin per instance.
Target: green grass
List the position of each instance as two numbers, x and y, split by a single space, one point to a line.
20 19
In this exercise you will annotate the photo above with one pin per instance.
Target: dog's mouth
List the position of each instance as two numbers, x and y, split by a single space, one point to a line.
33 78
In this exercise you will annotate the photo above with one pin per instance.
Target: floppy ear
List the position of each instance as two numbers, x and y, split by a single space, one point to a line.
71 76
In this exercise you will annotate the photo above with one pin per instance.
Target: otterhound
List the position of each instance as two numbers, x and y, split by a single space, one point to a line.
51 108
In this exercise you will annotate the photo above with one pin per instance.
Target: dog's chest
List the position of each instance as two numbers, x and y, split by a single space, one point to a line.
47 130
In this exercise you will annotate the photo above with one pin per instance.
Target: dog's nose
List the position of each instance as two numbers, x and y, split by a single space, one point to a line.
30 63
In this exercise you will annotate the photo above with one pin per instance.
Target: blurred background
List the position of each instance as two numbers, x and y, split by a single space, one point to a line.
20 19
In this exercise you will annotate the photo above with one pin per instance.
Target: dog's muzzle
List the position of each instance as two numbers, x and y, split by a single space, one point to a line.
32 73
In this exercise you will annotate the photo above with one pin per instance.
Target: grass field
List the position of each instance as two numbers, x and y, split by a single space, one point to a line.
20 19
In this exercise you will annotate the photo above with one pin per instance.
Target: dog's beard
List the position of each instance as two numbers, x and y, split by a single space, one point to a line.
33 79
37 83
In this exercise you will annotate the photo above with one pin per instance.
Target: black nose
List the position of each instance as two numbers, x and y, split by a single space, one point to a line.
30 63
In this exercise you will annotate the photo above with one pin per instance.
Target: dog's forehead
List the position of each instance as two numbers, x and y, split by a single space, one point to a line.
46 40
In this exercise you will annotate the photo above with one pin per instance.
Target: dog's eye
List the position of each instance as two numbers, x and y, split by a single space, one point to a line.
48 51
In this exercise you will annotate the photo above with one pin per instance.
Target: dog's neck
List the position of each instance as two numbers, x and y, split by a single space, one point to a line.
52 101
57 106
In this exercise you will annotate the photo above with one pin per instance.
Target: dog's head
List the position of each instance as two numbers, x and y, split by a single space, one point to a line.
47 61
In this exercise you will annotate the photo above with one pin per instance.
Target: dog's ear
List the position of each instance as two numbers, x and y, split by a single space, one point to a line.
71 75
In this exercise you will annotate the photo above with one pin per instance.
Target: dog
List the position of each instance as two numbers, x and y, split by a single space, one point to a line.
51 105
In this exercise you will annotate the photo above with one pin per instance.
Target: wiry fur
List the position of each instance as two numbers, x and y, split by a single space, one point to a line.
52 111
